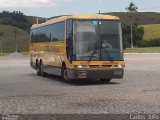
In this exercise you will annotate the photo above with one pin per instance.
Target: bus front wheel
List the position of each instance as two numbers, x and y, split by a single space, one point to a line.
64 73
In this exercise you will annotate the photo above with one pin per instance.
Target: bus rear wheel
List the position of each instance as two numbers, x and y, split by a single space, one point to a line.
107 80
38 69
43 74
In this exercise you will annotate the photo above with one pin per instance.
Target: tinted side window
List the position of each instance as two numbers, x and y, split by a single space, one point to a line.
54 32
61 31
32 33
40 35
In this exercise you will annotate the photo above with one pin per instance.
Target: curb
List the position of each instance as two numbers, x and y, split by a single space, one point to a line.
141 53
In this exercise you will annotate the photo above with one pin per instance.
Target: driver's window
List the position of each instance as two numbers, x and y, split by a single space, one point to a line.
69 39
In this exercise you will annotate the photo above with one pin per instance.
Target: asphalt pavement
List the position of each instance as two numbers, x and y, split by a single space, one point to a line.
23 92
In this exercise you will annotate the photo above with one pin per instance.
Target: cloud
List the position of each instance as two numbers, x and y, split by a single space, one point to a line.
99 0
26 3
31 3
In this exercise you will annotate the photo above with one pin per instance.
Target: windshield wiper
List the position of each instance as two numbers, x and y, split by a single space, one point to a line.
92 55
95 51
107 52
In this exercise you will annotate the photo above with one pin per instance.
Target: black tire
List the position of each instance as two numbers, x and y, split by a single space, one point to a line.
107 80
38 69
64 74
43 74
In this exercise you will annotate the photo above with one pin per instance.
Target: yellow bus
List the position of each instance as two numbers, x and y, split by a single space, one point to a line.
87 46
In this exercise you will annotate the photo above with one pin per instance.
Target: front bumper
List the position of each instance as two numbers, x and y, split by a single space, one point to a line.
96 73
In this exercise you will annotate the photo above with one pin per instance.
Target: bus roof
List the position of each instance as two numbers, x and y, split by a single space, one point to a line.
82 16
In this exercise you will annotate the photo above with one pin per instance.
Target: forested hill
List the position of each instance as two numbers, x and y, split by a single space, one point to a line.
142 18
24 22
15 18
18 19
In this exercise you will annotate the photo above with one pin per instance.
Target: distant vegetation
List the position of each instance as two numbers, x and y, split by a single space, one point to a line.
33 19
141 18
15 18
137 32
14 28
151 36
131 28
152 31
18 19
11 21
143 50
150 21
8 39
142 30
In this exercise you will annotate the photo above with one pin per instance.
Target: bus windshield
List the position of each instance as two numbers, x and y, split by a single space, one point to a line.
97 40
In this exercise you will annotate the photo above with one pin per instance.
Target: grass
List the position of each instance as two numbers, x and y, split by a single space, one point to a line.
143 50
8 39
4 54
151 31
23 53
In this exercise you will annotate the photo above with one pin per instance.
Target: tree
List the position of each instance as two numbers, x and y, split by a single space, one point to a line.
15 18
132 8
138 33
1 33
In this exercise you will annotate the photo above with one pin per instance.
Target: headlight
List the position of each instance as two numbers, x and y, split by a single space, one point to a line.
81 66
118 66
121 66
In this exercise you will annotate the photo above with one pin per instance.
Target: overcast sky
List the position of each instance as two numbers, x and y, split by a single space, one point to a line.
49 8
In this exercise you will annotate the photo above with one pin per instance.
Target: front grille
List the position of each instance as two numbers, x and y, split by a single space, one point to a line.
94 66
100 66
106 66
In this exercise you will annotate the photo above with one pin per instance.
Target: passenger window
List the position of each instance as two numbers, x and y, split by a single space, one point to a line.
54 32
